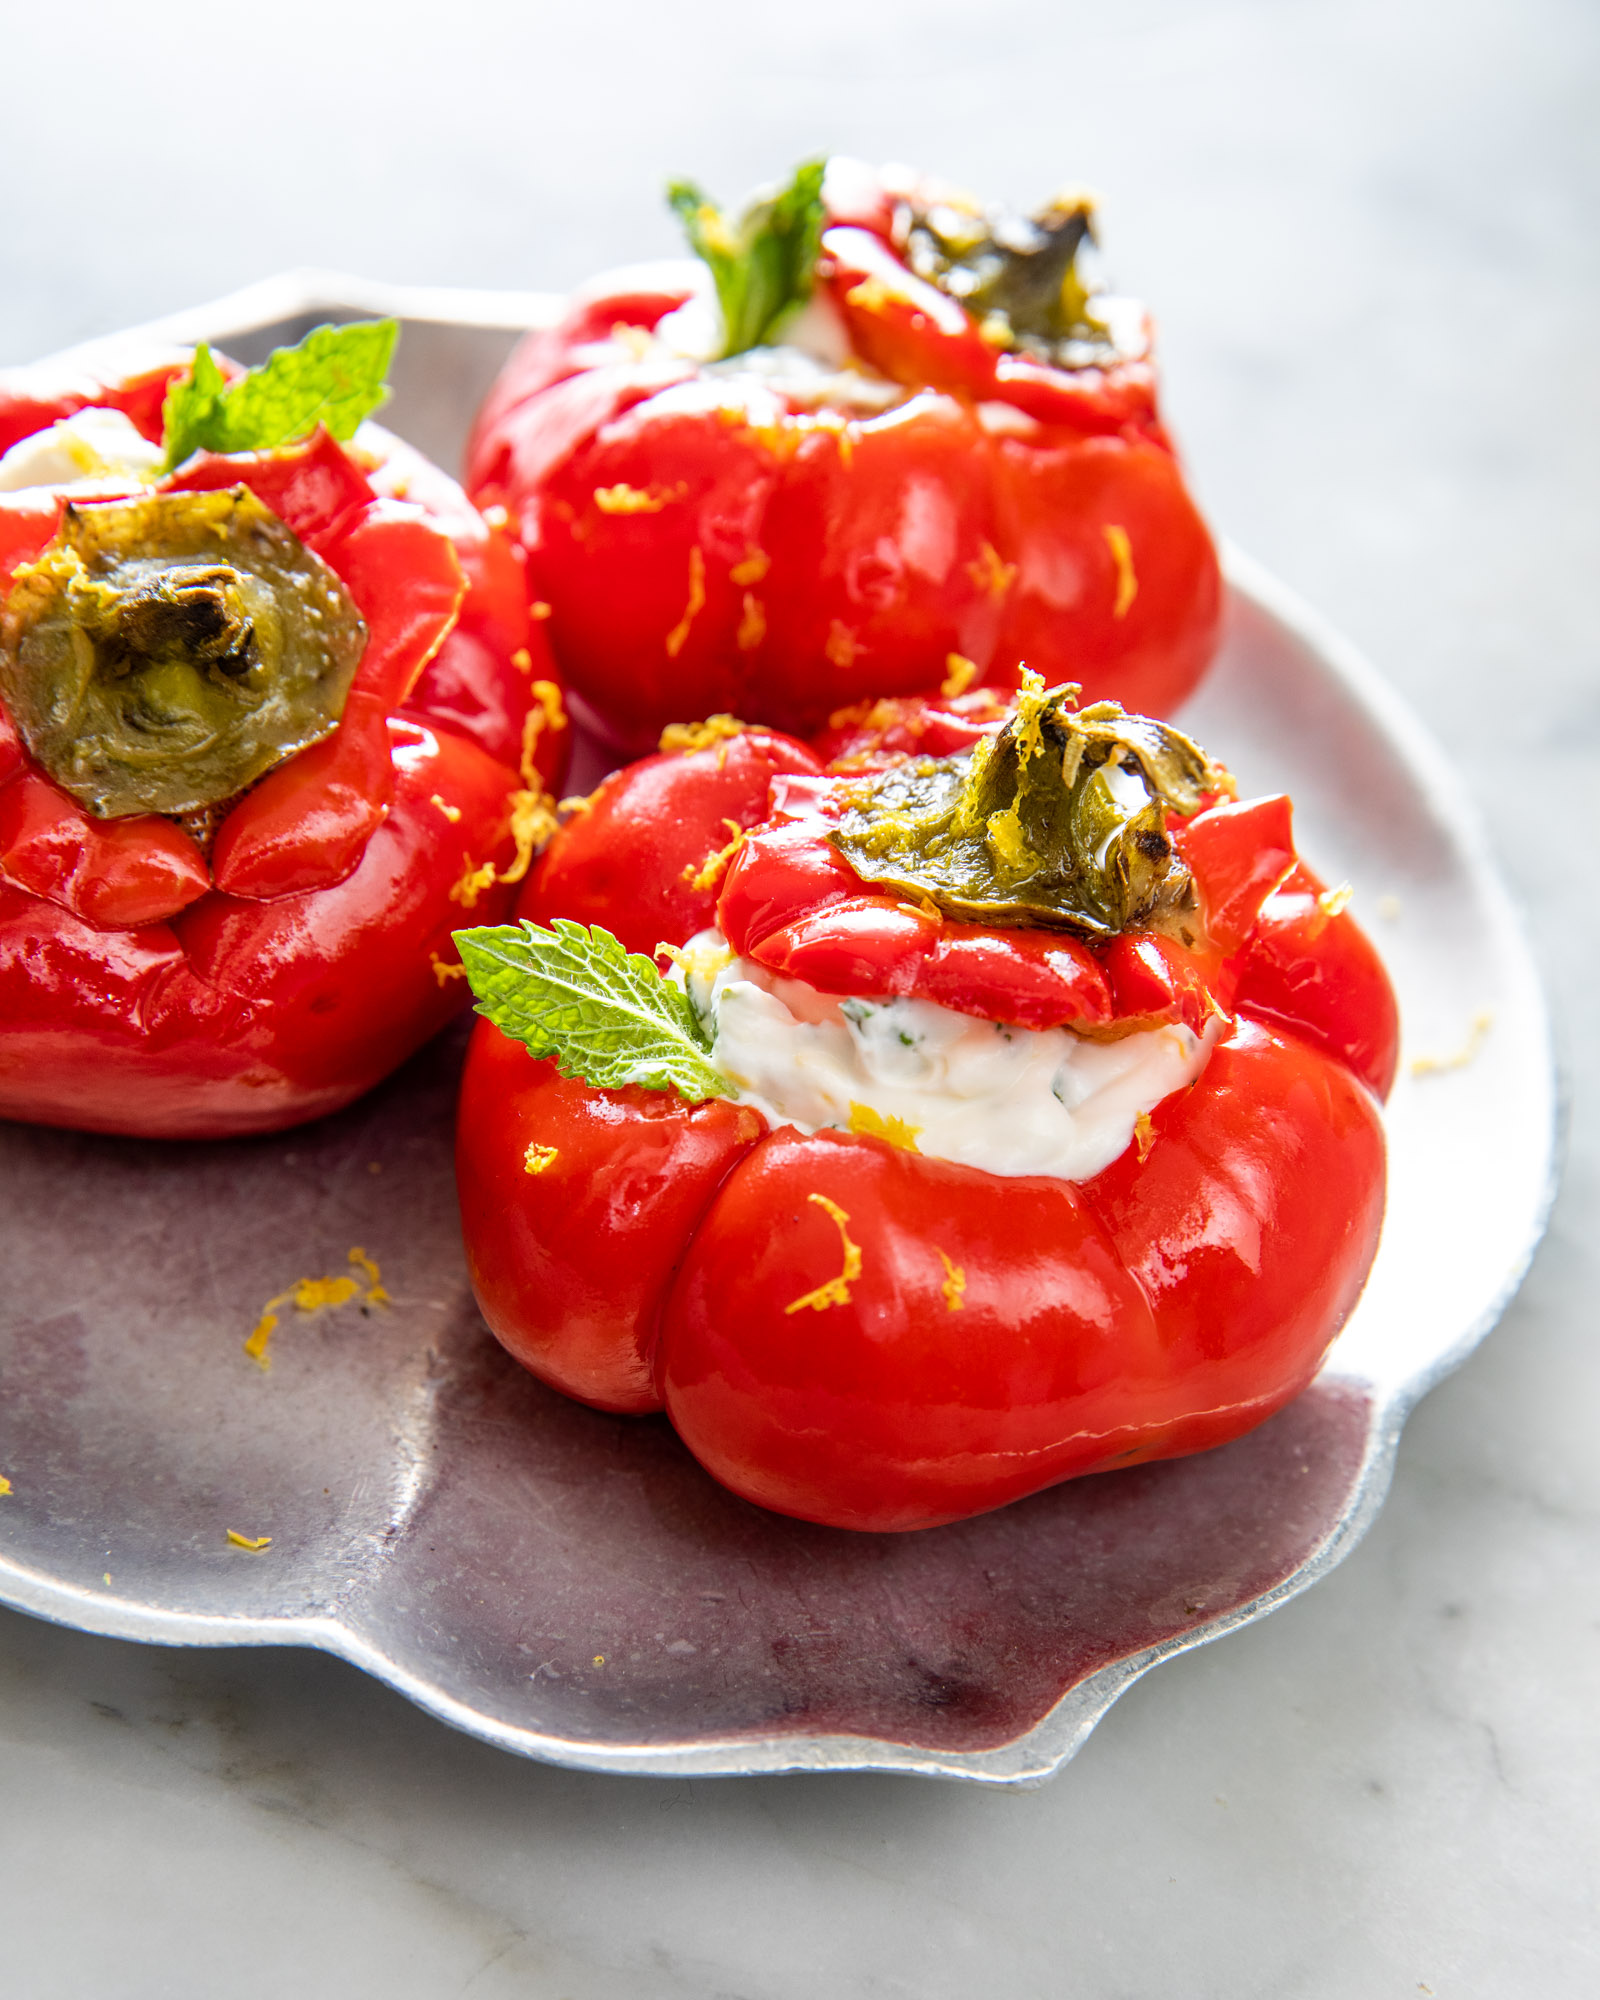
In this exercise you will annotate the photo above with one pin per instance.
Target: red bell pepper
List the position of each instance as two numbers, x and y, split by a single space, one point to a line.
841 1326
914 477
246 967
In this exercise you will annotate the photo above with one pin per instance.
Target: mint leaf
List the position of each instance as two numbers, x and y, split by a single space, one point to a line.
189 413
335 376
762 264
605 1014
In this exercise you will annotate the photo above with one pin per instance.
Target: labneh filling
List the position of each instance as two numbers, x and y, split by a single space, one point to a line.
1006 1099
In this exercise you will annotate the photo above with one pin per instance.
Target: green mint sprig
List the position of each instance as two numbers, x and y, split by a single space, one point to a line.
605 1014
335 376
764 262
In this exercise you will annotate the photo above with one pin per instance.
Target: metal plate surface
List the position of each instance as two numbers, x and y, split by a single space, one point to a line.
570 1585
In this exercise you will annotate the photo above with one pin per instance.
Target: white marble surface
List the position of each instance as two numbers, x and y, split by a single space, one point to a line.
1369 231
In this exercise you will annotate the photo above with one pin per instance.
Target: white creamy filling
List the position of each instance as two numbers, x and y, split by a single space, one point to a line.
812 369
1009 1100
90 445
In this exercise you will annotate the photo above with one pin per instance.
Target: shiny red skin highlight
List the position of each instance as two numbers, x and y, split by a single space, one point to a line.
1315 969
571 1262
1000 1333
1161 1308
629 857
240 1016
143 990
707 543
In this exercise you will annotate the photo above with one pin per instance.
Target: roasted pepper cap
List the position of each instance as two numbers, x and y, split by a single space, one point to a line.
165 652
1021 277
1059 820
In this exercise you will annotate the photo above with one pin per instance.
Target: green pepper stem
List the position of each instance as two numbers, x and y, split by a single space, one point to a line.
763 263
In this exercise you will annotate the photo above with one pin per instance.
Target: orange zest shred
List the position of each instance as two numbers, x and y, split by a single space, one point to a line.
1326 907
547 713
533 818
836 1292
954 1286
522 660
678 637
532 812
451 813
255 1543
313 1295
472 884
871 294
256 1345
538 609
838 427
959 674
868 1123
711 871
637 341
752 624
367 1266
990 573
1006 839
1144 1135
704 962
751 568
1122 556
842 646
625 499
443 971
685 737
537 1158
1482 1022
881 714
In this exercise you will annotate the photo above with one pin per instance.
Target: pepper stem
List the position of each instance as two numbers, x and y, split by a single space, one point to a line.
764 261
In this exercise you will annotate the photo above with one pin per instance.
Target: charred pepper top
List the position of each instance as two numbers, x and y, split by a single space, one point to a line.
1057 821
164 652
1021 276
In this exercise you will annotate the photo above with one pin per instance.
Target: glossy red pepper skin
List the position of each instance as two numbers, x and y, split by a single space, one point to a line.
147 989
241 1016
628 1178
874 1339
707 543
623 851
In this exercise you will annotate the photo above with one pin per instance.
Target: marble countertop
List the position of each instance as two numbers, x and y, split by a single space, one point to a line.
1368 231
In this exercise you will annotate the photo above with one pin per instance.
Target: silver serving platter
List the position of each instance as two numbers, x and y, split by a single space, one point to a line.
569 1585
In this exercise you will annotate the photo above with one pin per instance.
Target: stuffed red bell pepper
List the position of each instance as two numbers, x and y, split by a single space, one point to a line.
271 718
1009 1111
880 426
